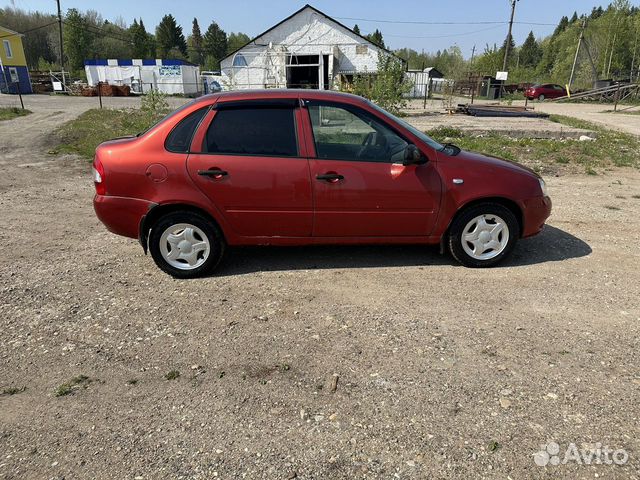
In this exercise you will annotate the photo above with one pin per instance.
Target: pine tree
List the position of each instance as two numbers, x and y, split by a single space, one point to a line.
530 53
562 26
169 37
140 39
195 44
356 29
512 49
574 18
214 46
376 38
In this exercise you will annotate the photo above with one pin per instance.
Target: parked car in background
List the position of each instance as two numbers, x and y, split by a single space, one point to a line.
548 90
306 167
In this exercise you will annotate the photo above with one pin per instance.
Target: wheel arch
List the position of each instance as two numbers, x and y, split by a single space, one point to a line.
505 202
160 210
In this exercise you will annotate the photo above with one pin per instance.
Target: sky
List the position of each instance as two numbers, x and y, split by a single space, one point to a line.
255 16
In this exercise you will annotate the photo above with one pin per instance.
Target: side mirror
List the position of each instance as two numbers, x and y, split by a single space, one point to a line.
413 156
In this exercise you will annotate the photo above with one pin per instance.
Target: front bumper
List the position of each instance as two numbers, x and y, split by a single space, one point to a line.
536 212
121 215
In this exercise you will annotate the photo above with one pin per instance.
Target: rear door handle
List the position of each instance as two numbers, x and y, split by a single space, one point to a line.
330 177
213 172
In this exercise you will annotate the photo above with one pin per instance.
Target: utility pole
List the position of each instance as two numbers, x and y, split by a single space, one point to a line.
508 42
473 56
64 83
575 59
633 60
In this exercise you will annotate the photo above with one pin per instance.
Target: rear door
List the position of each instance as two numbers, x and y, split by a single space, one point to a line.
361 188
250 165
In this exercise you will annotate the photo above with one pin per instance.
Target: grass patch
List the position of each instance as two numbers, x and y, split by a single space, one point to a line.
612 207
82 135
610 148
172 375
9 113
72 385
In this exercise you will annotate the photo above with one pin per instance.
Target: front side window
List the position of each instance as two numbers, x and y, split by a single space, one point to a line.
348 133
7 49
260 131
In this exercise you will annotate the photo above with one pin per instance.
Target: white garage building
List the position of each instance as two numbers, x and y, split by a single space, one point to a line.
306 50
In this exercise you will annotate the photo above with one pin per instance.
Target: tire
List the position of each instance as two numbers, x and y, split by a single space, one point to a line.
186 244
541 98
476 239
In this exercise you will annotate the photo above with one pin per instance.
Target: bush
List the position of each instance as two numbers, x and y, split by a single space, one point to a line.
387 87
154 103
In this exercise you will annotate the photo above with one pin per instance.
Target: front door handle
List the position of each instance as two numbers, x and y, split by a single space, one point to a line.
213 172
330 177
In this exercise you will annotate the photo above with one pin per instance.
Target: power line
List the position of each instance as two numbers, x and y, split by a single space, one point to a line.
419 22
444 36
30 30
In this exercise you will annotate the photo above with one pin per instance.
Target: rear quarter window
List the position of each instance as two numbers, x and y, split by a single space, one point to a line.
179 140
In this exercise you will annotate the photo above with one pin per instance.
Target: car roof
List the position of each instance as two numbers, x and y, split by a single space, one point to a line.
240 95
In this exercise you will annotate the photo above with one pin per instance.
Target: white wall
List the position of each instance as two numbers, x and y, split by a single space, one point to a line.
308 33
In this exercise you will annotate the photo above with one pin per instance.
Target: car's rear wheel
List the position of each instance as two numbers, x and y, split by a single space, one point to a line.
541 97
483 235
186 244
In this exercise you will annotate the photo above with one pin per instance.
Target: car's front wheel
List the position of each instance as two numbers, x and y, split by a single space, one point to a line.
483 235
186 244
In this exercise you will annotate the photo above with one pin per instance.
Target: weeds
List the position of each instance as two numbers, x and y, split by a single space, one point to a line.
72 385
13 390
172 375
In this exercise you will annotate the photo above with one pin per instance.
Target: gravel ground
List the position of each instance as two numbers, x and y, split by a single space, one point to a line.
311 363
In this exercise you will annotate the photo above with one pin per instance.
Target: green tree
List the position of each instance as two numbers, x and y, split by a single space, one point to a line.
356 29
376 38
139 39
236 40
530 52
169 38
78 39
195 44
574 18
562 26
214 46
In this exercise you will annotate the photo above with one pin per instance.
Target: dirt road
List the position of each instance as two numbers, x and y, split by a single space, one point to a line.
443 372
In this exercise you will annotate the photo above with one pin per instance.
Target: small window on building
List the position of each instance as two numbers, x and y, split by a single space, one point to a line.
253 131
362 49
7 48
13 73
239 60
179 140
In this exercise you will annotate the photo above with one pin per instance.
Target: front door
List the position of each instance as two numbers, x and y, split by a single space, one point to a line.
251 169
361 188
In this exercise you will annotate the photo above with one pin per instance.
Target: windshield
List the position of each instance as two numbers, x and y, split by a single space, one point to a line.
421 135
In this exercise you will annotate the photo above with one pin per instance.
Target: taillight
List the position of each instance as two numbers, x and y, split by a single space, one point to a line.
98 177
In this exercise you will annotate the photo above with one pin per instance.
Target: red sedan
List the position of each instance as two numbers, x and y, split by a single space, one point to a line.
295 167
540 92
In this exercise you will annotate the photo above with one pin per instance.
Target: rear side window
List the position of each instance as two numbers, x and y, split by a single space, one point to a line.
180 137
253 131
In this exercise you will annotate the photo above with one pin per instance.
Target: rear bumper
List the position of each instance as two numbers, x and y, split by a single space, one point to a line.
121 215
536 212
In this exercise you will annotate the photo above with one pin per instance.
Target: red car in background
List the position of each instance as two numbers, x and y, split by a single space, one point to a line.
301 167
548 90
